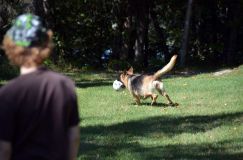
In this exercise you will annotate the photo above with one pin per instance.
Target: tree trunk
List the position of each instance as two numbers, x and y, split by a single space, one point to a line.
160 33
117 46
140 12
45 9
118 39
146 44
131 42
233 24
139 44
186 34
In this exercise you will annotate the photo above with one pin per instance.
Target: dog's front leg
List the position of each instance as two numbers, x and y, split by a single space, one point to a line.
154 98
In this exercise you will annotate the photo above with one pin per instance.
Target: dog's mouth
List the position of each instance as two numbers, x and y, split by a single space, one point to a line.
122 86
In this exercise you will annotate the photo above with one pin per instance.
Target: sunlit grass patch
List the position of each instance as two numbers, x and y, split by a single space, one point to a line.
207 124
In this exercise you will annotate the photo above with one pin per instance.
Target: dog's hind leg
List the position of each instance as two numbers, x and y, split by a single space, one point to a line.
167 97
169 100
161 90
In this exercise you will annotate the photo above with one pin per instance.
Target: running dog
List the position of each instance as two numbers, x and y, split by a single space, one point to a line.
144 86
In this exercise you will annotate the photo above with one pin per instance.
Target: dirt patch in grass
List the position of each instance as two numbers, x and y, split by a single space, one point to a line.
222 72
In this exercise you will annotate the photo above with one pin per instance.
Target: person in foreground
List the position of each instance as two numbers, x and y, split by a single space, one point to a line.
39 117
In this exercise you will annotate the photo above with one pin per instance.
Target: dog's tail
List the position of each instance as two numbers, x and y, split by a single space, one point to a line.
166 68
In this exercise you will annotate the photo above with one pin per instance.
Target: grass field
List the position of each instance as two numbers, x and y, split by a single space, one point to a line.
207 124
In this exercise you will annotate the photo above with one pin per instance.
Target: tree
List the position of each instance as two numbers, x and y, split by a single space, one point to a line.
186 33
138 30
232 29
160 31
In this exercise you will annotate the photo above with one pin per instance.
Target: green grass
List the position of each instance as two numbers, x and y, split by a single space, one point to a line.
206 125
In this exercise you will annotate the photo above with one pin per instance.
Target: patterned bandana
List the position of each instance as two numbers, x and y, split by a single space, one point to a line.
28 31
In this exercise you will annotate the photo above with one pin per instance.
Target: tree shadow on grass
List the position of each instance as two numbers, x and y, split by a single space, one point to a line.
108 142
214 151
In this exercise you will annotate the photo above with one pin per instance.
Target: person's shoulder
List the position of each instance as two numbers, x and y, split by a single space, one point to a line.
11 83
10 86
56 77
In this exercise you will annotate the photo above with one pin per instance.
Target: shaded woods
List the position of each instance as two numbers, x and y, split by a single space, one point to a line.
143 33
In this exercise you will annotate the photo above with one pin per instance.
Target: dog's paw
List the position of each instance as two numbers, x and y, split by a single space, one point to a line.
173 104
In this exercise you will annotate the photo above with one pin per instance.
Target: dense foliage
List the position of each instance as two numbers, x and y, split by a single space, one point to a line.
139 32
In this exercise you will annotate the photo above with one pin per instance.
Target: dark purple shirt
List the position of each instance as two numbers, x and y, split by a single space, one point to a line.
36 111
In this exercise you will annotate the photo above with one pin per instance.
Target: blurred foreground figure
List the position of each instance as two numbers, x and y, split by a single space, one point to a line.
39 117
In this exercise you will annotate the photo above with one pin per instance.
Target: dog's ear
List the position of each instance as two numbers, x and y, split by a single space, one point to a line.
130 71
123 73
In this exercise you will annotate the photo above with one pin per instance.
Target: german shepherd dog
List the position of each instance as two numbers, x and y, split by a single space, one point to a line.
144 86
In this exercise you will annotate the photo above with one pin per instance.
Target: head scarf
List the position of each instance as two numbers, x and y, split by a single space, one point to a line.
28 31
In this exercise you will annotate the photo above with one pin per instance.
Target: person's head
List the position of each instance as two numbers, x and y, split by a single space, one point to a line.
28 43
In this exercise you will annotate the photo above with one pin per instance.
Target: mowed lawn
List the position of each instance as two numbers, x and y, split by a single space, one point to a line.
207 124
